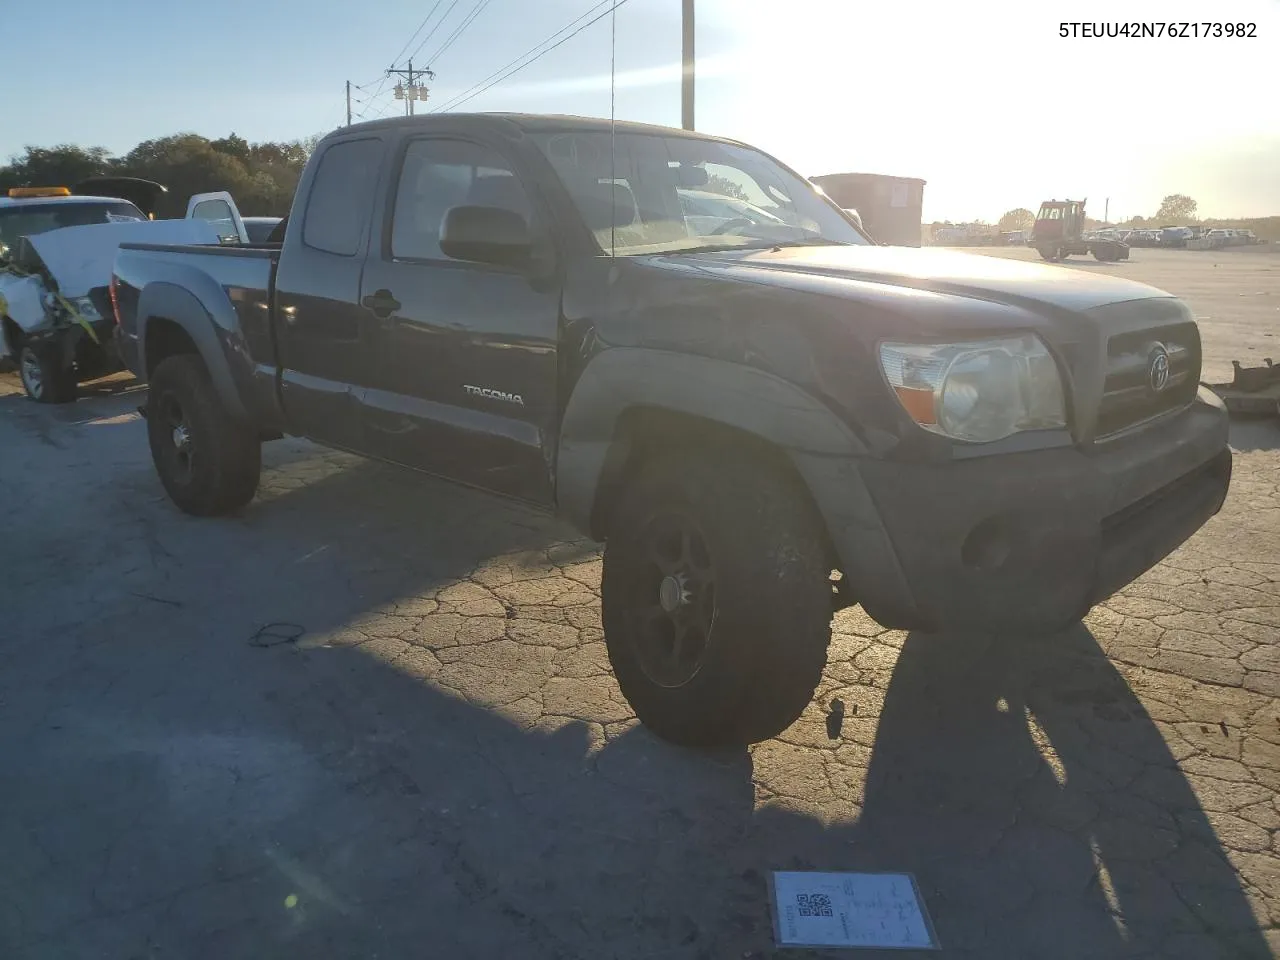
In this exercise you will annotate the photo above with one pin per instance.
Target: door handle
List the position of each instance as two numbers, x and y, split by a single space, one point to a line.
382 303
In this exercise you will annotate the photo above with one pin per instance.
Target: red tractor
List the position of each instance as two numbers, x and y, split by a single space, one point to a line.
1059 233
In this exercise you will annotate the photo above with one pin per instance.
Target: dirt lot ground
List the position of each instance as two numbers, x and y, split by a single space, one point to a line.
426 756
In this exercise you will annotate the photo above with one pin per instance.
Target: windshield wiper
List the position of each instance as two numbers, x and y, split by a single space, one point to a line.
809 242
763 245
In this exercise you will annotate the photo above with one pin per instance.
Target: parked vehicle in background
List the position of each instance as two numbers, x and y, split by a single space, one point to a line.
219 210
520 304
57 245
259 229
1250 236
1058 233
1174 237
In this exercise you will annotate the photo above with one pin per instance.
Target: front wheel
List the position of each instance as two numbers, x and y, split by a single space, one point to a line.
208 461
716 598
45 379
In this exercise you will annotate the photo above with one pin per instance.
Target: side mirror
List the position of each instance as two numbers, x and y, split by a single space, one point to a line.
690 177
486 235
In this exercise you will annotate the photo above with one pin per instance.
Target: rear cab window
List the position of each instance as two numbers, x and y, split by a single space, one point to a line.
341 200
218 213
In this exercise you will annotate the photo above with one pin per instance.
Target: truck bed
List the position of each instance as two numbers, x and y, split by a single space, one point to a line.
231 285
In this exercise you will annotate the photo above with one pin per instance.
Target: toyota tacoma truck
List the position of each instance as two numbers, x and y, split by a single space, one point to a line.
762 419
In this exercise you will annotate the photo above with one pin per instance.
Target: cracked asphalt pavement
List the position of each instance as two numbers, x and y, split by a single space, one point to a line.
372 716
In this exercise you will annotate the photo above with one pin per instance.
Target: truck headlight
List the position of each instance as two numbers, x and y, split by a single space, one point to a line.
979 391
84 306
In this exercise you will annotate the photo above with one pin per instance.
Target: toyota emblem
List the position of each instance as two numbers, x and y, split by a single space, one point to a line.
1158 368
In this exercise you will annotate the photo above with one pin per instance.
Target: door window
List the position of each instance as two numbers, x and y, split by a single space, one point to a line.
439 174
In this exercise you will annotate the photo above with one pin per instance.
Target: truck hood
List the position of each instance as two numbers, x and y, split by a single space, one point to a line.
80 258
1014 282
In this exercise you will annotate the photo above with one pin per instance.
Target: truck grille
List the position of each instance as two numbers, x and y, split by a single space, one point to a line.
1149 373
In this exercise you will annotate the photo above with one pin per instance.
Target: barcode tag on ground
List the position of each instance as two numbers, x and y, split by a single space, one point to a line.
862 910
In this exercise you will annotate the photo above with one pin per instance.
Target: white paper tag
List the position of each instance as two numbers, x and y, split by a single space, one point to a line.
865 910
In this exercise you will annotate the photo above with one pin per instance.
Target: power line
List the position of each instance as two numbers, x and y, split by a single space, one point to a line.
370 101
467 21
396 58
431 33
382 80
467 94
515 66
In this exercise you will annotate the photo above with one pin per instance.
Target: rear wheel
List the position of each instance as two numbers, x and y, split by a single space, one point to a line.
44 377
208 461
1047 253
716 599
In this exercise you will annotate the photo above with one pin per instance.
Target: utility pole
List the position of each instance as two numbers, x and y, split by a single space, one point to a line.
348 103
1106 210
411 91
686 65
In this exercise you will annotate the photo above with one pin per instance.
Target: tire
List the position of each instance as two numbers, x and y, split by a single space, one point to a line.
208 461
1047 253
44 378
750 592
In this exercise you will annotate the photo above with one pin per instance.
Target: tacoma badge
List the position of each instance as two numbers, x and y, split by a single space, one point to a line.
494 394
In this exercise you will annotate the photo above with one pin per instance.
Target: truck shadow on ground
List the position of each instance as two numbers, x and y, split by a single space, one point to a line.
174 789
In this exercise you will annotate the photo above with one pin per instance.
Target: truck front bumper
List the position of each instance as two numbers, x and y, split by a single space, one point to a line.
1025 542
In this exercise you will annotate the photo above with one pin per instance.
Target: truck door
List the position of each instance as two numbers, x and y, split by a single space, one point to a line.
466 351
325 354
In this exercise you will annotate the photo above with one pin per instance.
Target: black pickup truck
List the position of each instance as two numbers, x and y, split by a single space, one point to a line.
762 418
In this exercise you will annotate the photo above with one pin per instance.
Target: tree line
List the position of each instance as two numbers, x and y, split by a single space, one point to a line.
261 176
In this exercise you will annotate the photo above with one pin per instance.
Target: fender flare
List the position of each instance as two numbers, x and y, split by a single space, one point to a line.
730 394
164 300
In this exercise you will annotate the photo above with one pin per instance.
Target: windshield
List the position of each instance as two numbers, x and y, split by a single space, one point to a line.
656 194
30 219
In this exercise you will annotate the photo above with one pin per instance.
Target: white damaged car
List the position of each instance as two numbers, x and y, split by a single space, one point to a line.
57 246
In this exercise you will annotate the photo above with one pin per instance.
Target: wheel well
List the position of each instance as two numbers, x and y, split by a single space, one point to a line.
165 339
644 432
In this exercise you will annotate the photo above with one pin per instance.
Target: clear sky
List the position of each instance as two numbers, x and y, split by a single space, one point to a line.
981 98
